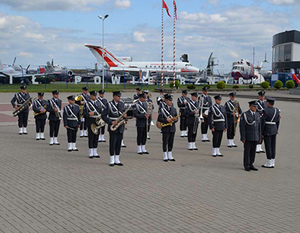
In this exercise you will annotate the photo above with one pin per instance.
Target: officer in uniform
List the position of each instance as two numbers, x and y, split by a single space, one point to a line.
150 121
234 112
160 98
55 116
165 116
217 120
85 98
192 112
140 112
71 118
270 124
207 103
103 103
250 130
21 98
39 107
92 111
181 103
261 104
138 92
110 114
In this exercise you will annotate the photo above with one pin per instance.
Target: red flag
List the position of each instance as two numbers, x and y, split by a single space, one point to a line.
175 9
164 5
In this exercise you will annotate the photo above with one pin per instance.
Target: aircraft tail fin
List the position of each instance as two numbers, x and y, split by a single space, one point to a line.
111 60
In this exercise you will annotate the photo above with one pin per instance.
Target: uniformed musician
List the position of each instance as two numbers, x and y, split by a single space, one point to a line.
140 112
270 124
181 103
250 130
92 110
85 98
167 115
234 112
207 103
261 103
150 103
138 92
192 112
39 107
160 98
217 120
16 102
71 118
110 114
103 103
55 116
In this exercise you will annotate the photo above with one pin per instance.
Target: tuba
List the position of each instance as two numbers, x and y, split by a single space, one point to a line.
79 98
99 124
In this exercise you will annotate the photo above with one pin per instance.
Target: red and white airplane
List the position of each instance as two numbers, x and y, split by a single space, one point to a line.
119 65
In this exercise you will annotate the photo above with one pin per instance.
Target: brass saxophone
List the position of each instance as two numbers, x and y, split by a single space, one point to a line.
172 122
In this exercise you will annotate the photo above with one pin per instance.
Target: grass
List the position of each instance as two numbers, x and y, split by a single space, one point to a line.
71 87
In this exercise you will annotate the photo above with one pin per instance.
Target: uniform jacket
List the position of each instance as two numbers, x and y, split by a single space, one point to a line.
19 99
190 108
250 127
230 108
91 106
36 107
260 106
51 107
270 121
71 116
150 101
112 112
207 102
135 96
162 117
181 105
102 102
217 117
139 114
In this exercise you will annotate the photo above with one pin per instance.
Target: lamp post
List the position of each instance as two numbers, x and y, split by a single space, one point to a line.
102 18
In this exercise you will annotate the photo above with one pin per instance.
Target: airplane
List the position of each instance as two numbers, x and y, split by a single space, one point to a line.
121 65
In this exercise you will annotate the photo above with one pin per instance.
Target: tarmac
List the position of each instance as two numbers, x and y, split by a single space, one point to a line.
47 189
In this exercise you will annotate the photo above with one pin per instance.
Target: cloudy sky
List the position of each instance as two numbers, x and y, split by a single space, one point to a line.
38 30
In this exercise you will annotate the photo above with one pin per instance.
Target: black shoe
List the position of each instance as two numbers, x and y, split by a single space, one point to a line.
195 148
214 156
220 155
75 150
140 153
111 164
247 169
123 146
103 141
97 156
172 160
90 157
56 144
165 160
262 151
70 150
203 140
146 153
119 164
81 136
43 139
207 140
20 133
25 133
257 152
235 146
253 168
229 146
37 139
190 149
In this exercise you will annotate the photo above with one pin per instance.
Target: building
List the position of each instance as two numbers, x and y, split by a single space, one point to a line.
286 52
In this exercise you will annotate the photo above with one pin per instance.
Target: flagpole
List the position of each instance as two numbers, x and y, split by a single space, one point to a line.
174 44
162 45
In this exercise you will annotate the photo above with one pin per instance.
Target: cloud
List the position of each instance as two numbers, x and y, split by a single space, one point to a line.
123 4
234 54
139 36
284 2
25 54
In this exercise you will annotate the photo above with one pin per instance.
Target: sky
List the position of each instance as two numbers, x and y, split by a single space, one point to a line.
37 31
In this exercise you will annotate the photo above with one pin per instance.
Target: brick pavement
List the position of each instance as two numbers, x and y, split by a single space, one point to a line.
46 189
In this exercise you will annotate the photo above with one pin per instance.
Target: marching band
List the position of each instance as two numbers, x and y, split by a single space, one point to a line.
90 114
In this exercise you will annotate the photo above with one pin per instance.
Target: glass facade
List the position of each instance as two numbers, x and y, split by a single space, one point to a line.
282 53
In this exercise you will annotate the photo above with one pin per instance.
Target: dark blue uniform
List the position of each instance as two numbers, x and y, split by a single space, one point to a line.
54 121
71 118
192 121
181 103
232 107
204 124
140 111
103 103
40 118
18 100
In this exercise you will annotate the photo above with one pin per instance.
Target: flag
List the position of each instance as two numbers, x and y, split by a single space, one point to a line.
164 5
175 9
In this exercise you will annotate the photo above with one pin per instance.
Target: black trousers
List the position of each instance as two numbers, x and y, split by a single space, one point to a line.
183 123
191 135
40 125
204 126
149 127
141 136
217 138
115 140
231 130
249 153
54 128
270 145
23 119
71 134
92 139
102 130
168 141
83 125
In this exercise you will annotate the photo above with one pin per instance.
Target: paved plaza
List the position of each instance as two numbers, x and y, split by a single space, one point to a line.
47 189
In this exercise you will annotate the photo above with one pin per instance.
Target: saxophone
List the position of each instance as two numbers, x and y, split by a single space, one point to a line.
171 123
121 119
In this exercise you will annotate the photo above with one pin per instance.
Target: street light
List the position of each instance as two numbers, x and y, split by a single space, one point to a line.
102 18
